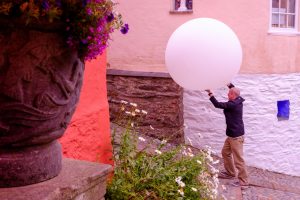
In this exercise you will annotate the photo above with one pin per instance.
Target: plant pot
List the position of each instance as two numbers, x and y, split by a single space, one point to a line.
40 82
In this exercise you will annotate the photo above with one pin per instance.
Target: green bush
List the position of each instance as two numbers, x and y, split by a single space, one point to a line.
162 172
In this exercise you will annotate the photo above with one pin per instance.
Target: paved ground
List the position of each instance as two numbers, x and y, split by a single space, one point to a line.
264 185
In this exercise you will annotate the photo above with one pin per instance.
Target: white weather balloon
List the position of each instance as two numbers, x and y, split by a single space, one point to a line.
203 53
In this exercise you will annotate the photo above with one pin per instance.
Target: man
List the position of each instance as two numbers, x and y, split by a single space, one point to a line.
232 151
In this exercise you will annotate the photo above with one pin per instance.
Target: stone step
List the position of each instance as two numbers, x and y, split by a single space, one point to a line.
227 191
78 180
274 181
261 193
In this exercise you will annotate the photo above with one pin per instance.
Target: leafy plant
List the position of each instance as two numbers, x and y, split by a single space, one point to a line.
158 170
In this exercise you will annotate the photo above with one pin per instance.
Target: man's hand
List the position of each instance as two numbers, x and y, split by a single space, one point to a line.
230 85
209 92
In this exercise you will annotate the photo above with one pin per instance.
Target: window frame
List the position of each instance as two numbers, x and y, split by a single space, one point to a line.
173 10
281 30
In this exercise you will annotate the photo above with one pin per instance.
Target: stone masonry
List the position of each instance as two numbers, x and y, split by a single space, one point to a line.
155 93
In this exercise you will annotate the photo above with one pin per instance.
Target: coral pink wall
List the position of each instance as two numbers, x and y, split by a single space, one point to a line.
88 135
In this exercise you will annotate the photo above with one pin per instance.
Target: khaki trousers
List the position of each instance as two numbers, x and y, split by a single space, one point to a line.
232 153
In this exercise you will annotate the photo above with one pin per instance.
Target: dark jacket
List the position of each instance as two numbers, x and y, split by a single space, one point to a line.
233 111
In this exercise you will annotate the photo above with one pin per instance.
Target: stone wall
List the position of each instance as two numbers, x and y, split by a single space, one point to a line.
155 93
270 143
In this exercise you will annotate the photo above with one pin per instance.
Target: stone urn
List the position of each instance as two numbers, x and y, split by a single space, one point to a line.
40 82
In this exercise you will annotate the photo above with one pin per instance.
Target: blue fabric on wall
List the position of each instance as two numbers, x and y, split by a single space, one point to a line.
283 108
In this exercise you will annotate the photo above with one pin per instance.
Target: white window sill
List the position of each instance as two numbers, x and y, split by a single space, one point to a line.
181 12
284 32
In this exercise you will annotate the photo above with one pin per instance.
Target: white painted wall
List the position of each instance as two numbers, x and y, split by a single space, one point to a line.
269 144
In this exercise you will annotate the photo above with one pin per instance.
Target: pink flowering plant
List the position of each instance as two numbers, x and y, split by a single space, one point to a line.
87 24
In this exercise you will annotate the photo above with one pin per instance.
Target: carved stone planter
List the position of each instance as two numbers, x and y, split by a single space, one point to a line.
40 82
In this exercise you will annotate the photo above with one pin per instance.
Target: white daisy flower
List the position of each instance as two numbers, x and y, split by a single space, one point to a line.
178 179
124 102
190 154
133 104
158 151
181 192
223 187
215 162
190 141
181 184
144 112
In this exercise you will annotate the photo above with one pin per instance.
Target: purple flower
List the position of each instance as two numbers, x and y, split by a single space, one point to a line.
99 28
70 41
89 11
125 29
58 3
45 5
91 30
84 41
110 17
85 2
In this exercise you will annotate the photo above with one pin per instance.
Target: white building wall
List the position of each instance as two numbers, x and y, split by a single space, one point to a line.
269 143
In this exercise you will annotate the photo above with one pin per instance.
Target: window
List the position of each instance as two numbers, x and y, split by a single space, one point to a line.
182 5
284 15
283 110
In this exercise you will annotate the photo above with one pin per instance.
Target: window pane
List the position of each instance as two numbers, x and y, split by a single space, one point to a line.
275 20
282 21
282 10
189 4
177 4
283 4
291 21
291 6
275 3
